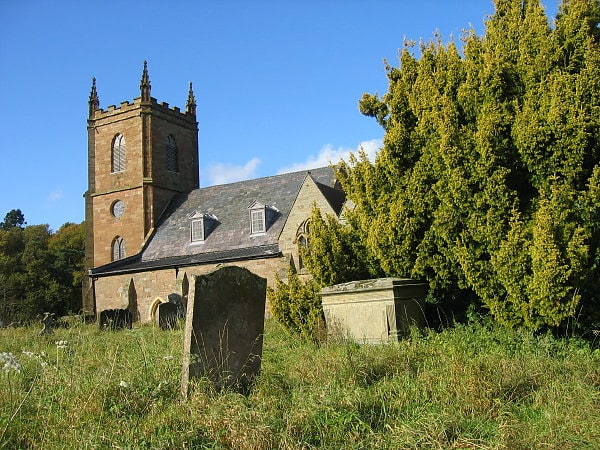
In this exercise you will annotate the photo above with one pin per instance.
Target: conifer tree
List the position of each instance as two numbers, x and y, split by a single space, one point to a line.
487 185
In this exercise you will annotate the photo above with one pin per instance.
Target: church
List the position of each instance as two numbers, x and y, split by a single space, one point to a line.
150 227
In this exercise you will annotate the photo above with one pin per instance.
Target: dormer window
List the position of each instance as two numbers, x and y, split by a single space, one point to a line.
197 228
261 217
201 225
257 221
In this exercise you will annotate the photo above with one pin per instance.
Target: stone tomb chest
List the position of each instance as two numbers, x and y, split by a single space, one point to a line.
374 311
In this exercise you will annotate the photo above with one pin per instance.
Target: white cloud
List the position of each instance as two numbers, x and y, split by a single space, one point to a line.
221 173
56 195
329 155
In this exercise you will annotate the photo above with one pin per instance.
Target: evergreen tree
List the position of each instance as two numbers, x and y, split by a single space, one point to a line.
487 182
297 306
13 219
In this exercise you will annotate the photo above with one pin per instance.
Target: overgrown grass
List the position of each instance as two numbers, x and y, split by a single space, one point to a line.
466 387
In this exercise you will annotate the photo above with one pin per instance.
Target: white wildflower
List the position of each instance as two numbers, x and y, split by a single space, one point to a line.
10 362
39 357
168 357
123 384
61 344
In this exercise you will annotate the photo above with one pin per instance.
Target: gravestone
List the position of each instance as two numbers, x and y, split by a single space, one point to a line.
47 324
177 300
167 316
115 319
224 328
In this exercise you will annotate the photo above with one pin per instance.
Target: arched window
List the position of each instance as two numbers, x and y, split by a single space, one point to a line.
302 240
302 234
172 155
118 154
118 249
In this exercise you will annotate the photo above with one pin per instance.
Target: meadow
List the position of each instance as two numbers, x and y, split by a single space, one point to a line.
472 386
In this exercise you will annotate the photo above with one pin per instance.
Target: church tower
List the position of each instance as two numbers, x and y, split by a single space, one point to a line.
140 154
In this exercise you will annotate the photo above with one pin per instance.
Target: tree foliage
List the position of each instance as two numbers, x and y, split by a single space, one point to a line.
13 219
487 184
40 271
333 254
296 305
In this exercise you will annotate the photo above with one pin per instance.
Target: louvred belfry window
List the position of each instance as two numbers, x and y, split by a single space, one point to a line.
118 249
172 155
118 154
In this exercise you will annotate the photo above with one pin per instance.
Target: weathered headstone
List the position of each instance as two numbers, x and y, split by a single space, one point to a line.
167 316
177 300
115 319
224 328
47 324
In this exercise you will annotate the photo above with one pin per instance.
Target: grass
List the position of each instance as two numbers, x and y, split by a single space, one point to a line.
468 387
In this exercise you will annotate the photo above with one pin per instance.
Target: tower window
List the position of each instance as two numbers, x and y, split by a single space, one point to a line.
118 249
118 154
172 155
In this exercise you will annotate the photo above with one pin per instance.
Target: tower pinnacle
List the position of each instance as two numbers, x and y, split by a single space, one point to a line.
145 84
94 101
190 106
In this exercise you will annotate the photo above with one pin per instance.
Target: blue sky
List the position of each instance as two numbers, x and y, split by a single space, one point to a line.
277 82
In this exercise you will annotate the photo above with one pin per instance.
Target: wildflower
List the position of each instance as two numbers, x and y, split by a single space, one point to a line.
61 344
123 384
10 362
39 357
168 357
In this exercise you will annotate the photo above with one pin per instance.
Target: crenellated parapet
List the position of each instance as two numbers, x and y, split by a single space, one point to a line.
143 102
127 107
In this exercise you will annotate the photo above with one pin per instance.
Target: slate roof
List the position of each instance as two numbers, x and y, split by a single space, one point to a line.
229 237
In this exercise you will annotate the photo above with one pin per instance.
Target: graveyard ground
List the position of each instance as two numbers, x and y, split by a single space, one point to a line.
472 386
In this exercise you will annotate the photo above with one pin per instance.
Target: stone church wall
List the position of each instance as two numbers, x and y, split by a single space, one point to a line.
165 122
152 287
308 196
108 187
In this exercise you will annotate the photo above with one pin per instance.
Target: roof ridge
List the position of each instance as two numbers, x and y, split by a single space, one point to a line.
251 180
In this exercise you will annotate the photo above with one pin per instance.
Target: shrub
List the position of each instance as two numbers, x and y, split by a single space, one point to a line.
297 305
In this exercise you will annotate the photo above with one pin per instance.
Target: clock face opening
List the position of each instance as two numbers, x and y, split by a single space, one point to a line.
118 208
